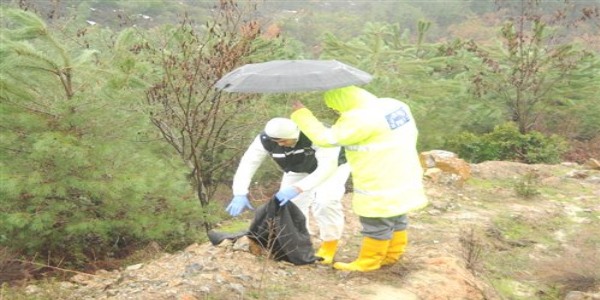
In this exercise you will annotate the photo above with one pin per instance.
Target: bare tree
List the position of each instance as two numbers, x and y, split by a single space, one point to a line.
190 114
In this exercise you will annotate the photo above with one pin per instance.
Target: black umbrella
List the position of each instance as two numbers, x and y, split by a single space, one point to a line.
285 76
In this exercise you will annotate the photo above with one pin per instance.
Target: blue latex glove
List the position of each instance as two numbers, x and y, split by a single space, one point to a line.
238 204
286 194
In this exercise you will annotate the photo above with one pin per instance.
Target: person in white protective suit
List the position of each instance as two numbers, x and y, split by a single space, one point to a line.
313 179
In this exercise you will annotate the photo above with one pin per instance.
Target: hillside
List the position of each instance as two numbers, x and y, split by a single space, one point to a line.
480 240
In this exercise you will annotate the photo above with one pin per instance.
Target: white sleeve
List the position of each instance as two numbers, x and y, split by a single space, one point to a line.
327 162
251 160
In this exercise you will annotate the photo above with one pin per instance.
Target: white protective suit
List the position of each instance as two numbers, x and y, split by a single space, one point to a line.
322 189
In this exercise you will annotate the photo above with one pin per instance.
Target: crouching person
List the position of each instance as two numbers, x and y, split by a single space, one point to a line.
313 178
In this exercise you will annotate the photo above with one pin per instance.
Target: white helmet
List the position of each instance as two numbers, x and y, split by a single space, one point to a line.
282 128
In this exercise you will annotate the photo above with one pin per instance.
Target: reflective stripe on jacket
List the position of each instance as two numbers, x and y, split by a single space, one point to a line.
380 136
318 162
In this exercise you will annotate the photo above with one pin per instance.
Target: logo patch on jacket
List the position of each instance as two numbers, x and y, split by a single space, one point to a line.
397 118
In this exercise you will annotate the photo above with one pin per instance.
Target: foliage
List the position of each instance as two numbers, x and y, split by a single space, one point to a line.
505 142
531 73
528 78
79 179
345 20
203 126
582 151
472 84
48 289
429 77
527 186
82 168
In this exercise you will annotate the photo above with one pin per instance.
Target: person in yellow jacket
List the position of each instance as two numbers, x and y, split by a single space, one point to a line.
380 137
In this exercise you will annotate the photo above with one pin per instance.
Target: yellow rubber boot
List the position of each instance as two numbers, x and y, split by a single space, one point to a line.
396 248
327 251
372 253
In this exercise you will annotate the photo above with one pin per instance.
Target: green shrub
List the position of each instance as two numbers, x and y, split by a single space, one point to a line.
505 142
83 178
527 185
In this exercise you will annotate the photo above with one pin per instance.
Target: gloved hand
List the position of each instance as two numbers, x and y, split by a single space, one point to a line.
238 204
286 194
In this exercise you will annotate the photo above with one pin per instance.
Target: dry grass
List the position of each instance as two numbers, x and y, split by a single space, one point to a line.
575 270
581 151
472 248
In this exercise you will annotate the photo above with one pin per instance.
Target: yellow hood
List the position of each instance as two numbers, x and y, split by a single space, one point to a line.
347 98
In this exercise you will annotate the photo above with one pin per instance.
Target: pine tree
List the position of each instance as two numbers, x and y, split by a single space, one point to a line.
78 180
431 77
536 71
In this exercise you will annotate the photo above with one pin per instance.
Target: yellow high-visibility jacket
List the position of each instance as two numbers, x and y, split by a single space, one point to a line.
380 137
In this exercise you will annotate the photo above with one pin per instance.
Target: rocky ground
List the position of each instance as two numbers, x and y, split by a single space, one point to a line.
477 240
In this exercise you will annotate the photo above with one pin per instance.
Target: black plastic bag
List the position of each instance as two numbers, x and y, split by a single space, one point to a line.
280 230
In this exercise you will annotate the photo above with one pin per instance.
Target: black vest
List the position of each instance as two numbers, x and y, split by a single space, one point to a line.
299 159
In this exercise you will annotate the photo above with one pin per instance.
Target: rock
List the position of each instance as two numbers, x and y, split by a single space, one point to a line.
455 166
134 267
255 248
237 288
578 174
445 167
576 295
193 248
67 285
82 278
192 269
187 297
592 163
433 174
594 180
32 289
242 244
428 159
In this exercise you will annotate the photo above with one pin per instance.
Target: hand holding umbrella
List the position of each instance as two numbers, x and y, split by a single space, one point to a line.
297 105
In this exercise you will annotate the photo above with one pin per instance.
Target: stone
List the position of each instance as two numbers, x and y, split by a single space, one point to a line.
447 163
134 267
242 244
592 163
433 174
429 158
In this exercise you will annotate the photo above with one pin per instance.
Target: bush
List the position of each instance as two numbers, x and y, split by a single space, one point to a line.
527 185
582 150
83 178
507 143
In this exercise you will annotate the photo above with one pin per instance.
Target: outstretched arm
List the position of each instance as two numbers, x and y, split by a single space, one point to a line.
327 162
251 160
351 128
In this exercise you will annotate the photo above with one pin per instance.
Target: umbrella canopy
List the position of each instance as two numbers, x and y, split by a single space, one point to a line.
285 76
